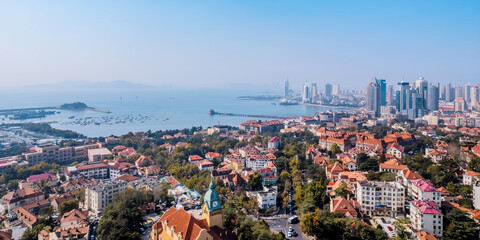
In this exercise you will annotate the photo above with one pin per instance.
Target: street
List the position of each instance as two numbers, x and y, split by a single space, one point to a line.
279 223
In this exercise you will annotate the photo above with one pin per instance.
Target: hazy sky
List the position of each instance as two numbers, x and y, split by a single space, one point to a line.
236 44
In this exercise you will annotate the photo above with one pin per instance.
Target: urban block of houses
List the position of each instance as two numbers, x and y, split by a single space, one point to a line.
425 216
48 179
381 198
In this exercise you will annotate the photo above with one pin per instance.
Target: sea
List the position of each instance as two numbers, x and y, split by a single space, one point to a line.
142 110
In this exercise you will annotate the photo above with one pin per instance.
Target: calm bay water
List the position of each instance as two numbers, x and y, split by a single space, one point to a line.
147 109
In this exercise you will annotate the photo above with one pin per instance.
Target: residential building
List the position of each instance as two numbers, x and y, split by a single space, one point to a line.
460 105
97 170
425 191
204 165
476 195
99 196
342 205
274 142
470 177
266 198
425 216
381 198
98 154
48 179
20 197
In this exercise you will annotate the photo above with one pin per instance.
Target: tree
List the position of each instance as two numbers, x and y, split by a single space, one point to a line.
369 164
335 149
255 182
458 226
474 164
343 191
400 225
67 206
46 211
122 219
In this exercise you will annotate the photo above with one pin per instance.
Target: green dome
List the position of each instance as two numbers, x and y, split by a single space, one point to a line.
211 198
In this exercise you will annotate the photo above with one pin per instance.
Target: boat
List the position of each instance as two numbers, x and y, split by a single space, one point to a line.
165 119
71 117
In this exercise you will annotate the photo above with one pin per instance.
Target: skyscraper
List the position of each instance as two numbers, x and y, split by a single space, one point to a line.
449 93
474 94
459 105
459 92
432 97
306 93
467 93
287 88
373 98
390 95
403 90
314 91
443 92
335 89
383 91
328 90
421 85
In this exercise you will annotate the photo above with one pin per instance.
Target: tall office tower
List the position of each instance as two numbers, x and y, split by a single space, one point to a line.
460 105
328 90
466 95
306 93
475 95
421 85
443 93
459 92
336 89
383 91
448 93
402 94
432 97
314 91
373 98
390 95
287 89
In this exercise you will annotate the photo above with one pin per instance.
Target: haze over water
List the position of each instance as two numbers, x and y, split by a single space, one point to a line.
183 109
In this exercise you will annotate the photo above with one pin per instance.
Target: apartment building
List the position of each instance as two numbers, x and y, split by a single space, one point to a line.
56 154
97 154
425 216
381 198
266 198
88 170
423 190
256 162
99 196
20 197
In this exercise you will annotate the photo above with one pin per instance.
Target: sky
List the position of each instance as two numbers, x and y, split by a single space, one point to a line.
238 44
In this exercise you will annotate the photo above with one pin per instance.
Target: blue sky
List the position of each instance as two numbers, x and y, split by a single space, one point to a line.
238 44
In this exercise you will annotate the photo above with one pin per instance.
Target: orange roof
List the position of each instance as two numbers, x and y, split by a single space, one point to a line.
411 175
472 173
425 236
342 205
393 164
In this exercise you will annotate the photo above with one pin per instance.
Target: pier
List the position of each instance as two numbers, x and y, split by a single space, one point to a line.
213 112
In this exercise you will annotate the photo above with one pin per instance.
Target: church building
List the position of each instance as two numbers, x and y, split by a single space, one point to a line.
178 224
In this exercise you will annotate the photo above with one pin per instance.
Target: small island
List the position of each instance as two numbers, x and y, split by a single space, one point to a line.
75 106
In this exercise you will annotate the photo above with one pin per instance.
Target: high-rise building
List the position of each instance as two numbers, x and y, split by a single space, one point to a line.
328 90
467 93
403 90
449 93
459 92
460 105
421 85
390 95
432 97
314 91
474 94
373 98
336 89
443 92
287 88
306 93
383 91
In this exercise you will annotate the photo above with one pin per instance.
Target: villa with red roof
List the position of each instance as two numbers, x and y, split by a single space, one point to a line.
194 158
49 179
342 205
406 176
423 190
213 155
349 163
470 177
425 216
394 166
395 149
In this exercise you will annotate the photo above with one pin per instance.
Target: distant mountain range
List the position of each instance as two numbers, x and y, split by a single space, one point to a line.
94 86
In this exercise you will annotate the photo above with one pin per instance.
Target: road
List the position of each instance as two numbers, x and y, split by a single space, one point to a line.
388 223
279 223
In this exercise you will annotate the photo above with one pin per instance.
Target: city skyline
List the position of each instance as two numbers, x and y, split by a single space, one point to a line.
230 45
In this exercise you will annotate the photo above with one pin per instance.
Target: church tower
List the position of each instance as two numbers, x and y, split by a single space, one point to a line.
212 209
